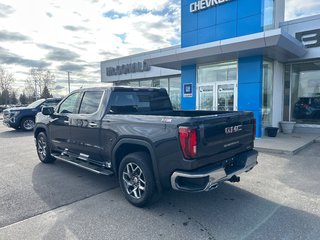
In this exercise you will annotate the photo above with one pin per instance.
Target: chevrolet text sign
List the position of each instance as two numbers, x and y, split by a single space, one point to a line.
204 4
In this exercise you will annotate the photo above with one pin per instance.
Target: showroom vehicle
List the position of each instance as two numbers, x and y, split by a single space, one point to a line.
24 117
307 108
135 134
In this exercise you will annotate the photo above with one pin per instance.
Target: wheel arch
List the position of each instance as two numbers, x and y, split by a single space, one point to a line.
127 146
40 128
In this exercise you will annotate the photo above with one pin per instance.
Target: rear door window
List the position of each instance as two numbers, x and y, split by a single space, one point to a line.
139 102
90 102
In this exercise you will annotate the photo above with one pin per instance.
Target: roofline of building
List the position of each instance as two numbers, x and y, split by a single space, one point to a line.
299 20
275 44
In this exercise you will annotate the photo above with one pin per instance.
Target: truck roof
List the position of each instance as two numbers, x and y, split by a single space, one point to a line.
119 88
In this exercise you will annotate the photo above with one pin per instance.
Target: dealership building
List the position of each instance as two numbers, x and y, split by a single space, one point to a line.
235 55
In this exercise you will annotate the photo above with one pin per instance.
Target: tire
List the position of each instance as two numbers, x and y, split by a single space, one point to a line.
27 124
136 179
43 148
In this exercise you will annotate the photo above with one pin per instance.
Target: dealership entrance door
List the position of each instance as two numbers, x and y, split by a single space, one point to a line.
217 87
220 96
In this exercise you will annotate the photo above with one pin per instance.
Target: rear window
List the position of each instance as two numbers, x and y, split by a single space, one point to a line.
139 102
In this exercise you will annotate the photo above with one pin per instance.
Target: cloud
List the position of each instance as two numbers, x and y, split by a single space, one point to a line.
71 67
14 59
108 55
49 15
5 10
75 28
59 87
12 36
297 8
73 81
59 54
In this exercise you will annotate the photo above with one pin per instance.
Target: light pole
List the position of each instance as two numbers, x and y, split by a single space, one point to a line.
69 81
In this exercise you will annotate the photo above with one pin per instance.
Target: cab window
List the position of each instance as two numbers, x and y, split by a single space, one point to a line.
139 102
90 102
70 104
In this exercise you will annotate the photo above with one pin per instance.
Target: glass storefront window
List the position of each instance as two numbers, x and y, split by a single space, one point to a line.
287 93
268 14
127 83
305 93
175 92
161 82
146 83
267 93
217 72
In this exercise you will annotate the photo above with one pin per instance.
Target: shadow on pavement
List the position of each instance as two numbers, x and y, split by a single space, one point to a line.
12 133
228 212
61 183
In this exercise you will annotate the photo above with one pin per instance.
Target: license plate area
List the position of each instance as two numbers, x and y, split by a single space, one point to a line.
235 163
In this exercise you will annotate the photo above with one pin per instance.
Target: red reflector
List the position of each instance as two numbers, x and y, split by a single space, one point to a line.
188 142
254 128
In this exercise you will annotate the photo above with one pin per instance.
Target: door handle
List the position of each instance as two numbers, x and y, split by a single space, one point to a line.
66 121
93 124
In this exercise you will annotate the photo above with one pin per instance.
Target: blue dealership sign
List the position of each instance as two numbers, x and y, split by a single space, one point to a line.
187 90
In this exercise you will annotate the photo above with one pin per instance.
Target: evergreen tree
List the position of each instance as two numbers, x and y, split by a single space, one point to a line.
5 97
45 93
23 98
13 98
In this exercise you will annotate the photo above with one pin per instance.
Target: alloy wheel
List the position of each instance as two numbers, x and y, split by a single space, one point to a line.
28 124
42 147
134 180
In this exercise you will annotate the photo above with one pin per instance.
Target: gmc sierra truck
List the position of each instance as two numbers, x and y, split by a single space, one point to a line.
135 134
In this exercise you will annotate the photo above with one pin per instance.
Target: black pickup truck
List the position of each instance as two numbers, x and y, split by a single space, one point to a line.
135 134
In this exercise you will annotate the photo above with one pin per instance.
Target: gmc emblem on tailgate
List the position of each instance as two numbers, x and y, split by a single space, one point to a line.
233 129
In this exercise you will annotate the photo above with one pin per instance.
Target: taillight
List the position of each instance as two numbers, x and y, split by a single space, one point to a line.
188 141
254 128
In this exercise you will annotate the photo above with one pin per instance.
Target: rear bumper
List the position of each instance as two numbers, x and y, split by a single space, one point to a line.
198 181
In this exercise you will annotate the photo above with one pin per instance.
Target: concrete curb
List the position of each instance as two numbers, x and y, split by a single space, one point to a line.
275 151
303 147
288 152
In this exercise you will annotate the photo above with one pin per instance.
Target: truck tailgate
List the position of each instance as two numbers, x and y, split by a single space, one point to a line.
230 132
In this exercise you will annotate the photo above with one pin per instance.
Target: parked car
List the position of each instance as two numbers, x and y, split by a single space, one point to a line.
135 134
307 108
2 107
24 117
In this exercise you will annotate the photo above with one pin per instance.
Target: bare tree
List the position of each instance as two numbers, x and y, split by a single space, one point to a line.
6 81
38 79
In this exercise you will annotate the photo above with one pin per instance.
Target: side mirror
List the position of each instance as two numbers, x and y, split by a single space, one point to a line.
47 110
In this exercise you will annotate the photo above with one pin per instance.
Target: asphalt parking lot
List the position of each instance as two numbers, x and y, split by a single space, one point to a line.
279 199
